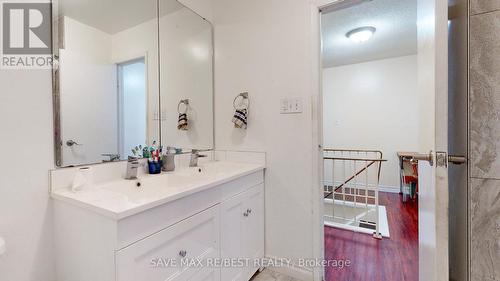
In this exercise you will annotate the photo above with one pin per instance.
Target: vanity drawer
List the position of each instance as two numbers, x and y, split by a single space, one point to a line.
158 257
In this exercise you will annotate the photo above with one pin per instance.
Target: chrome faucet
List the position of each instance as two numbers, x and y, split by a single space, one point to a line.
112 157
132 168
195 155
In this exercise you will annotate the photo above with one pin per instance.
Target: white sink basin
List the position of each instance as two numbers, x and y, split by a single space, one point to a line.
122 198
148 188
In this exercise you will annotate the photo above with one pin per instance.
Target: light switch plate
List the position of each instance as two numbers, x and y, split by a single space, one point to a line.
291 105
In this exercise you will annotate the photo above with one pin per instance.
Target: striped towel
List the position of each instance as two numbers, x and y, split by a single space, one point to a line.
240 118
182 124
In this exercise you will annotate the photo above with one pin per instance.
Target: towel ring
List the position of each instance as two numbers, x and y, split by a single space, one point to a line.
186 103
244 97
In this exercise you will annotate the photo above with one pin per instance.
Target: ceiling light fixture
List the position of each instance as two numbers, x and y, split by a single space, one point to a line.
361 34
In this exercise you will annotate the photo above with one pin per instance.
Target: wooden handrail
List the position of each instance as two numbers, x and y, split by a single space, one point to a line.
371 160
355 159
350 179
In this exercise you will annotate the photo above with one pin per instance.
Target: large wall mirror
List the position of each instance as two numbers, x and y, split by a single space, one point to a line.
130 73
186 76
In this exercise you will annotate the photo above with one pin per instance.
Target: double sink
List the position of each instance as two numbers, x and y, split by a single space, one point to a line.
120 198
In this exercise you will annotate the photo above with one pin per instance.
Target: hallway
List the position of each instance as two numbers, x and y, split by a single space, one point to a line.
393 259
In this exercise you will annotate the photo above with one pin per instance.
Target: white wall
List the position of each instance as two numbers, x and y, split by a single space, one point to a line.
27 156
373 105
89 99
254 44
267 48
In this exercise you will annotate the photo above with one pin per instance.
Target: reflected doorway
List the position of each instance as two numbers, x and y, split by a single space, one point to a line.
132 104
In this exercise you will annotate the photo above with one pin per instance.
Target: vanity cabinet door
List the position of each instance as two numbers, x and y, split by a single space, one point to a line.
159 257
232 214
242 234
253 226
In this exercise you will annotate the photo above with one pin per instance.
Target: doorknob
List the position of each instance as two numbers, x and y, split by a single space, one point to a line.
442 158
429 157
71 143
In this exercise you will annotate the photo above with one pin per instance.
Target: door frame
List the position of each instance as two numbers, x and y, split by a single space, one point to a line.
119 64
317 139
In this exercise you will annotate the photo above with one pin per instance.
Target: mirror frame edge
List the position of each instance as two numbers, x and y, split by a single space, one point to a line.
56 98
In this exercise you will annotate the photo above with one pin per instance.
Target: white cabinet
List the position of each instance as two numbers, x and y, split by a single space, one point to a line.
242 233
160 257
232 233
223 221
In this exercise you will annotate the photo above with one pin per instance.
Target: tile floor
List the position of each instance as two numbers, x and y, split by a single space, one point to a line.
269 275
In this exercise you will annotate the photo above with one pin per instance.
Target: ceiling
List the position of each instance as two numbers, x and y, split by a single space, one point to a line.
396 35
113 16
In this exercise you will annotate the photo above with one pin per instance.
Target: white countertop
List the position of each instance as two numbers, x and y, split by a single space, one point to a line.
122 198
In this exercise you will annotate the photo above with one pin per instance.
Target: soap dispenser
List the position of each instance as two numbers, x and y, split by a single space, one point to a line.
168 160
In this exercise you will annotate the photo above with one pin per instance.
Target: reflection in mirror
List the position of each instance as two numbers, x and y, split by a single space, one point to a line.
108 78
186 77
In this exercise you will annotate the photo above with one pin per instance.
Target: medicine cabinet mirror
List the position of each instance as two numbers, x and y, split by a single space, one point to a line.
123 68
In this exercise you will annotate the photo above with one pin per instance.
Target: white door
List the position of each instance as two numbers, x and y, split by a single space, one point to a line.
132 107
88 107
432 23
432 28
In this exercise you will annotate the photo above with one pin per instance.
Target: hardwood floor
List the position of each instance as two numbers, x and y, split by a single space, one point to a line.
390 259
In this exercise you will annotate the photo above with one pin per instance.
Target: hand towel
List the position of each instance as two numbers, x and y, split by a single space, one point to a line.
182 124
240 118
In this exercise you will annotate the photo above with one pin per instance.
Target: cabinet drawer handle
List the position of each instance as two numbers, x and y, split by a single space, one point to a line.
248 212
183 253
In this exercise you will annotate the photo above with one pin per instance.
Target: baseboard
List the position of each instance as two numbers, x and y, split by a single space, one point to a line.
293 271
389 189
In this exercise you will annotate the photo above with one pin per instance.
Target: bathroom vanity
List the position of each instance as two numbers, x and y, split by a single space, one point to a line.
149 229
139 77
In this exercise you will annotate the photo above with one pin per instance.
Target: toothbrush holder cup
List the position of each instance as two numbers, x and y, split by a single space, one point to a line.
154 167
